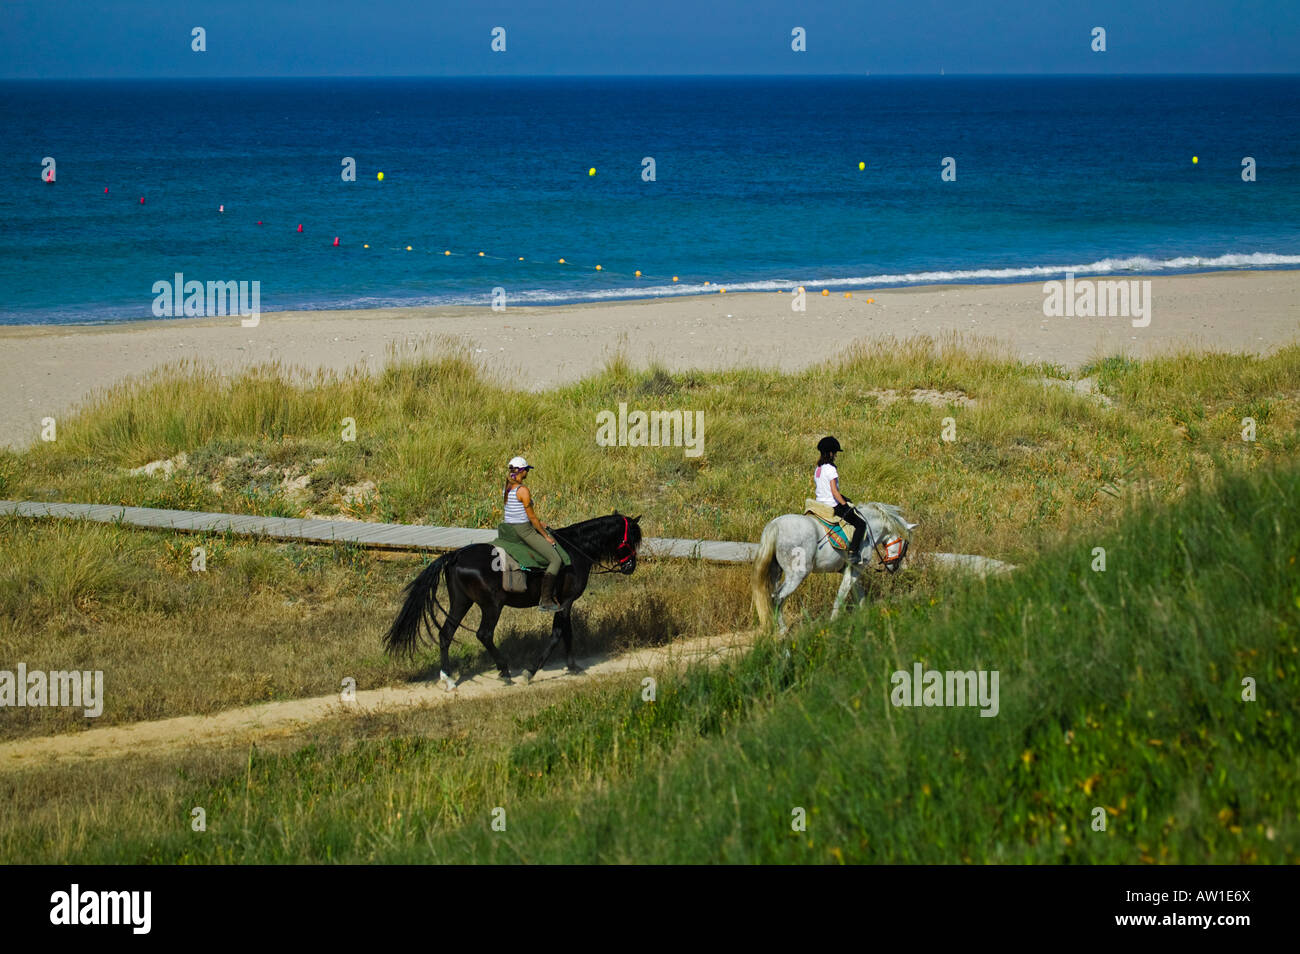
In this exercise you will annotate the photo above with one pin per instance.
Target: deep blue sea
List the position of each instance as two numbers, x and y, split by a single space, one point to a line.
757 185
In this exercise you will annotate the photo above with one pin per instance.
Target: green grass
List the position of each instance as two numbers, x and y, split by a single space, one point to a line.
1120 690
433 433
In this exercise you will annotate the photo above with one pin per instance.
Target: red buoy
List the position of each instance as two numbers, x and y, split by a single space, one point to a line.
299 226
105 190
336 241
142 200
259 222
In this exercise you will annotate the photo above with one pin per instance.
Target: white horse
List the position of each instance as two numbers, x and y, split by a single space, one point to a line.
795 544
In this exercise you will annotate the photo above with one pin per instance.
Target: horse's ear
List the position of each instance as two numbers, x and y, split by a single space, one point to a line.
616 511
636 519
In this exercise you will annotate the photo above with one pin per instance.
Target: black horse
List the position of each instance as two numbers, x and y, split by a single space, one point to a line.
474 576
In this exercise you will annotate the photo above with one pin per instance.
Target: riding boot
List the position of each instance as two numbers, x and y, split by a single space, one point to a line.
855 555
547 603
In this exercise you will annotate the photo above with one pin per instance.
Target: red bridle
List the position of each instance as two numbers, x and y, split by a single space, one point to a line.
625 545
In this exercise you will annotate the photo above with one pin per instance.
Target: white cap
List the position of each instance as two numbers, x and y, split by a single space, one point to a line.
518 463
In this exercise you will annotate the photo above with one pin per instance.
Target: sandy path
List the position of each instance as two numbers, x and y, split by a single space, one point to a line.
285 718
44 370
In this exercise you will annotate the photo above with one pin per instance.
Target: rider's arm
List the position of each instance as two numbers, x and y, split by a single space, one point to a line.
835 491
526 499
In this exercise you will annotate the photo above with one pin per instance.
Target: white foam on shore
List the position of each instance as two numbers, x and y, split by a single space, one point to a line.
1133 264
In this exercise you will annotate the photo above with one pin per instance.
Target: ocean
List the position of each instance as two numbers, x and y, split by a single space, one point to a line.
756 186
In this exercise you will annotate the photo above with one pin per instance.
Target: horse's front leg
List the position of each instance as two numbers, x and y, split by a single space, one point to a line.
565 619
556 633
859 592
843 592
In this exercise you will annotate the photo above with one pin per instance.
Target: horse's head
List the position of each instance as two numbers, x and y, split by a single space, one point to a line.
625 552
888 532
610 539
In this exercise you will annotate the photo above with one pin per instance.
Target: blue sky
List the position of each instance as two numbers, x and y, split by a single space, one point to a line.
151 38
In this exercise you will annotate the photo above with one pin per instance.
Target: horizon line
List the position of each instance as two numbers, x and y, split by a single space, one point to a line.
615 76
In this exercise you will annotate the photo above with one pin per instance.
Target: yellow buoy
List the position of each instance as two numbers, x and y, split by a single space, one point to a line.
638 273
674 278
1195 160
591 171
597 268
861 166
825 293
448 252
381 177
706 283
722 291
480 254
365 246
408 248
521 258
848 294
561 262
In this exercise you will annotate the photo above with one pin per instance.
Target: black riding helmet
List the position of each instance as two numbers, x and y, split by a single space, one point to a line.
828 445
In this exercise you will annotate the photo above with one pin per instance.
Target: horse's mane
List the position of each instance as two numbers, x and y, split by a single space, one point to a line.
892 517
600 536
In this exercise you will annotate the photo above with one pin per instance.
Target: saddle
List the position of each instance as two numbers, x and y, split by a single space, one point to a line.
837 529
517 559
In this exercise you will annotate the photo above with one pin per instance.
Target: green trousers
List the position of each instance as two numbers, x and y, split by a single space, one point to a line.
539 545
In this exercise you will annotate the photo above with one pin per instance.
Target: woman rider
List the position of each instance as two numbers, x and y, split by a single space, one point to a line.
826 479
530 530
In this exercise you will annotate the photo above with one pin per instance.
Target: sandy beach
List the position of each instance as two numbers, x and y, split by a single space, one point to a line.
46 370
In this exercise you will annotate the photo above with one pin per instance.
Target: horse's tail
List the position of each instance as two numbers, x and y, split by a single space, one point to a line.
421 596
761 582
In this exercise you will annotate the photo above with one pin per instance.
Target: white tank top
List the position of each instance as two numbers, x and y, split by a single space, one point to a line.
515 512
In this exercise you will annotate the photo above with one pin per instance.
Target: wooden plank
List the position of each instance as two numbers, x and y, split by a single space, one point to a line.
398 536
394 536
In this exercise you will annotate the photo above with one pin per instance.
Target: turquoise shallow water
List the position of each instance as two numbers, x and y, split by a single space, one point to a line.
757 185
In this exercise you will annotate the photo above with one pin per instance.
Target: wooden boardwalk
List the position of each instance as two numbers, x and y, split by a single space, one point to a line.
385 536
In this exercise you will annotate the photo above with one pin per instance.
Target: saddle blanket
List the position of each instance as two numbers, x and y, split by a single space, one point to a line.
837 529
519 558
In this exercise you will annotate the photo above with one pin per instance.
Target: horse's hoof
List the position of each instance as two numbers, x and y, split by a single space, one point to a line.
574 670
528 675
505 678
446 681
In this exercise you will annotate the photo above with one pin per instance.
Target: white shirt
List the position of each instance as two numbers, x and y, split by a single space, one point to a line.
822 477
